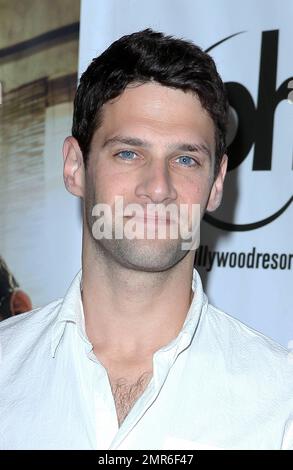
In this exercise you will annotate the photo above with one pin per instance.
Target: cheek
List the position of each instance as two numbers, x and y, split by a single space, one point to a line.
193 192
196 192
106 189
109 183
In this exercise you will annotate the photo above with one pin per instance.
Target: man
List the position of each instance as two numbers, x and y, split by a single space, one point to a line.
134 356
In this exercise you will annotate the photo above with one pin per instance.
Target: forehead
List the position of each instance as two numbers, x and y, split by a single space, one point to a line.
155 111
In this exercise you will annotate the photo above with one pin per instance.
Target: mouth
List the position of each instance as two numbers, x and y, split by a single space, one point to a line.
151 220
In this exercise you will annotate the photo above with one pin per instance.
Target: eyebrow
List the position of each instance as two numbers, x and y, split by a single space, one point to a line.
179 146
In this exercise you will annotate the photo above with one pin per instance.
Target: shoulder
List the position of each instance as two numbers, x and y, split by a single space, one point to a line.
246 349
20 331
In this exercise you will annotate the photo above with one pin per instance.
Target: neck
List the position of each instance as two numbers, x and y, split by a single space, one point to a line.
130 311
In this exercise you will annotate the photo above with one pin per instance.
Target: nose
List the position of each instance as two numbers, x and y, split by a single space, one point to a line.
156 184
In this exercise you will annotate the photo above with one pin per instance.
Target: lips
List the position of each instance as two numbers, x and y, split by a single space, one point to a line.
151 219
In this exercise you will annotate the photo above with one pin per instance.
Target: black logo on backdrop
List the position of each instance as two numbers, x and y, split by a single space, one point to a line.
255 123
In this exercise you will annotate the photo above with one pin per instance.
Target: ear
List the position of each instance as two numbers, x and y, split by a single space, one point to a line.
216 193
73 171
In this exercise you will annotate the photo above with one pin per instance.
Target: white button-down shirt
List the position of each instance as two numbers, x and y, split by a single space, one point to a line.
217 385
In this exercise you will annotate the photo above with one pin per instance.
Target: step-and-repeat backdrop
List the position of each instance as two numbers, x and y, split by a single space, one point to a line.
246 256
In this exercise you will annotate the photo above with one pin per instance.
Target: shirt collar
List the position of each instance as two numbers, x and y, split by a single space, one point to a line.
71 311
167 355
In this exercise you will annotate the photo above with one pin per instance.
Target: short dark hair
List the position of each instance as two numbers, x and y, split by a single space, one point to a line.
142 57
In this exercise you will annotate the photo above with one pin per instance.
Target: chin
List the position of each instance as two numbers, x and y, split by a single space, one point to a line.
146 255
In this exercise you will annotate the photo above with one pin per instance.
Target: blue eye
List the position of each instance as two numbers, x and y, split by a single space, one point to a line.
126 154
187 161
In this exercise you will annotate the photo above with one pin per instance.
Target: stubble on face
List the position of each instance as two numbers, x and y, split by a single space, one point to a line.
149 255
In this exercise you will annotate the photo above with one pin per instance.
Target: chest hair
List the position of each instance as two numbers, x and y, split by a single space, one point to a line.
126 393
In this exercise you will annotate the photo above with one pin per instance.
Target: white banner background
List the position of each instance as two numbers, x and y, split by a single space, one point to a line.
260 297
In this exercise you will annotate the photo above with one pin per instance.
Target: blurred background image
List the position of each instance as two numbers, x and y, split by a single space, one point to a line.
38 73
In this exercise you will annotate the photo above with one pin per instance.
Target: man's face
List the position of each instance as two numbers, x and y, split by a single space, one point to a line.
143 152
